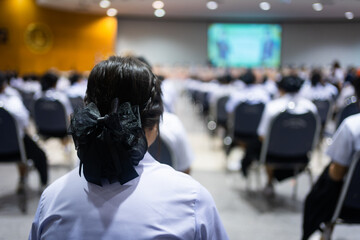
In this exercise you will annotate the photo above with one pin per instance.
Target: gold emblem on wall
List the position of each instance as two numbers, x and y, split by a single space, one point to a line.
38 37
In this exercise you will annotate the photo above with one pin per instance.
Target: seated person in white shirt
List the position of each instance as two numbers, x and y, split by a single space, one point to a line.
119 190
16 108
78 86
173 133
318 89
288 89
253 93
321 201
48 85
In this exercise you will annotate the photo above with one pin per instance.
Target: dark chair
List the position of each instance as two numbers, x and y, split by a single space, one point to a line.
347 210
161 151
12 149
351 108
28 101
243 124
324 108
76 102
218 116
221 113
50 118
290 140
52 121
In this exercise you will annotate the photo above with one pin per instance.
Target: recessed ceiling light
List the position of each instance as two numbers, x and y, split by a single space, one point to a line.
317 7
159 12
111 12
265 6
158 4
212 5
105 3
349 15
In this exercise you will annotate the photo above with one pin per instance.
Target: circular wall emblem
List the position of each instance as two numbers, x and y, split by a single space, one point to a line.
38 37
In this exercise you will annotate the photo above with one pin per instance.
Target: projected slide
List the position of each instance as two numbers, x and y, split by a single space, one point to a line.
244 45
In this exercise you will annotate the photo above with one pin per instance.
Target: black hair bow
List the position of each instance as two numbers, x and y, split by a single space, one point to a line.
109 146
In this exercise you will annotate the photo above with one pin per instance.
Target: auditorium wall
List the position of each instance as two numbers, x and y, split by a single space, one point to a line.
176 42
66 40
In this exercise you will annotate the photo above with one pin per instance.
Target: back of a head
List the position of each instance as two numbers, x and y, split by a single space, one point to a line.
74 78
129 80
2 81
248 77
48 80
315 77
290 84
356 84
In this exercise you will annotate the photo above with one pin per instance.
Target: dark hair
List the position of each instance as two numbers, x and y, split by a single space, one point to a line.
74 77
290 84
248 77
129 80
2 81
356 84
48 80
315 77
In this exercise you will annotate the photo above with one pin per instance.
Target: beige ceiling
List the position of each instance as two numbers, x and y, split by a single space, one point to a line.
229 10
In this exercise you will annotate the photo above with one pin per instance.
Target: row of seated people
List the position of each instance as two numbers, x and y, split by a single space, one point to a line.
173 134
296 96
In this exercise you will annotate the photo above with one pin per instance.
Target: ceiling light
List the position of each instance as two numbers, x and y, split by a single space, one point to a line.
265 6
317 6
111 12
159 12
105 3
158 4
212 5
349 15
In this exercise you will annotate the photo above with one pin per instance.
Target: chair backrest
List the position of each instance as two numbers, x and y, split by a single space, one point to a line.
76 102
350 192
28 100
324 109
291 135
221 113
50 117
11 144
247 117
351 108
161 151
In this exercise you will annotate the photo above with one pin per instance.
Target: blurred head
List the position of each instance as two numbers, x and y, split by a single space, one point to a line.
316 77
356 84
74 78
48 80
290 84
248 77
2 82
129 80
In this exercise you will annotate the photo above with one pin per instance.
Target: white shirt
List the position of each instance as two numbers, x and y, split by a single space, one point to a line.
159 204
299 105
319 91
173 133
346 141
252 93
16 108
57 95
77 90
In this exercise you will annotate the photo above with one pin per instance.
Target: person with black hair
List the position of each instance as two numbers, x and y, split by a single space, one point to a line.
119 191
318 88
253 92
289 87
48 86
321 201
16 108
78 86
